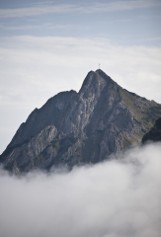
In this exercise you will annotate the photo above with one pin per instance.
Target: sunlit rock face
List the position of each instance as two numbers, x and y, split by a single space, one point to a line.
80 128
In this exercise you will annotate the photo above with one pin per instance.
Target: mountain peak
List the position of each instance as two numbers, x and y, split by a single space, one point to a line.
103 75
96 81
86 127
100 72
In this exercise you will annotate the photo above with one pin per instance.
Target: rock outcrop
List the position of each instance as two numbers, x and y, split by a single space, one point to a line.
154 135
85 127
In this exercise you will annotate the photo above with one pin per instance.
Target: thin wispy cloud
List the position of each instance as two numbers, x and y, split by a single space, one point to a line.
35 26
116 6
84 8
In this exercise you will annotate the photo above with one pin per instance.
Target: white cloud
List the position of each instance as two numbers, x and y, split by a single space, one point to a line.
117 6
118 198
36 68
85 8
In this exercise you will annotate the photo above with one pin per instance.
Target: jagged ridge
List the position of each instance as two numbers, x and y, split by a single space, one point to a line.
85 127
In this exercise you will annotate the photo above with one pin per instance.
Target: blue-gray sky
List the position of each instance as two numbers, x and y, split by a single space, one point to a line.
125 22
49 46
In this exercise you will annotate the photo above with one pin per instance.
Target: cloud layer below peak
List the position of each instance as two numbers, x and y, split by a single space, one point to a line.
118 198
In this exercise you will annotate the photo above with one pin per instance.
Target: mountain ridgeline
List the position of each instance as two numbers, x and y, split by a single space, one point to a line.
81 128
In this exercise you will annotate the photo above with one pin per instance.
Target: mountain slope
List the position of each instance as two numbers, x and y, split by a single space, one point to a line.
85 127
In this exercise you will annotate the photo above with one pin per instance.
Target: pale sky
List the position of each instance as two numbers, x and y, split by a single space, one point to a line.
49 46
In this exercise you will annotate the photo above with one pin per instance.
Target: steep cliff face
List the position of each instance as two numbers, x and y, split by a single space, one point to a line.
85 127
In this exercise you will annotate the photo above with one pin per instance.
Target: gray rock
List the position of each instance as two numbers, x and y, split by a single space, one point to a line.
78 128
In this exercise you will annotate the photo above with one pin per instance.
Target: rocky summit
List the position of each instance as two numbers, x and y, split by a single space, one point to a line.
80 128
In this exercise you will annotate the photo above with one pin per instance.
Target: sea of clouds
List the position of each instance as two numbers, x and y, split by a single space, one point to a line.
117 198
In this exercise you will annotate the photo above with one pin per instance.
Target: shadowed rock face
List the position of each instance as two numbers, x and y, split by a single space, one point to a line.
154 134
85 127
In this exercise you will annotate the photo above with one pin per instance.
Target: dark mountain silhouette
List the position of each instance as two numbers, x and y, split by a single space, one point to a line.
78 128
154 135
